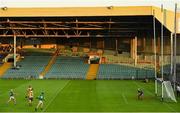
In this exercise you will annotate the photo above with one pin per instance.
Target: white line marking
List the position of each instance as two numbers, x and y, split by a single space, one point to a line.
56 94
124 98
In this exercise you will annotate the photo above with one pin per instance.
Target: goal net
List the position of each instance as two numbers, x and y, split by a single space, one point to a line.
165 91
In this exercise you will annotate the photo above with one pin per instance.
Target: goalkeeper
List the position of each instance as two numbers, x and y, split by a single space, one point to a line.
41 101
140 94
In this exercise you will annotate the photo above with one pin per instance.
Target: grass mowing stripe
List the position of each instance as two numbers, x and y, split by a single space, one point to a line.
86 96
48 86
56 94
10 84
153 95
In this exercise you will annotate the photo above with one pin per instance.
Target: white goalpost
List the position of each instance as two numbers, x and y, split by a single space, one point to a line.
164 88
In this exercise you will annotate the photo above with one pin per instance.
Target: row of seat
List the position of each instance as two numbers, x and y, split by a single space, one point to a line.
116 71
68 68
74 68
30 66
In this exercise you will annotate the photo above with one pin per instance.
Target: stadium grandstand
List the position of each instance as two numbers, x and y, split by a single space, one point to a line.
89 46
116 37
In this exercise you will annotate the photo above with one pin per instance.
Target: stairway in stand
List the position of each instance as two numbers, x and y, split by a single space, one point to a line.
4 68
49 65
92 72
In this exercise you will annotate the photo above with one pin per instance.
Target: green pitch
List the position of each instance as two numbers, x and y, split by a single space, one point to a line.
86 96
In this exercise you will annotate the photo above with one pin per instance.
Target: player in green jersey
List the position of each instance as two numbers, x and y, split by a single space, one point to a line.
12 97
41 101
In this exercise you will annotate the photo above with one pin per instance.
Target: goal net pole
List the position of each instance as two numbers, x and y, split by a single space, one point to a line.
162 36
14 55
172 53
155 63
175 44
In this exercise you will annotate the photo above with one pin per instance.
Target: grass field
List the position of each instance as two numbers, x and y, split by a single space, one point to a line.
86 96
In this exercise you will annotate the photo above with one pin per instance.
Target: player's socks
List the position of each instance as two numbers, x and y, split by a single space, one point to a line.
35 109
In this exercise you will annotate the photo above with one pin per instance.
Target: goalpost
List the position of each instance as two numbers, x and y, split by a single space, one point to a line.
164 88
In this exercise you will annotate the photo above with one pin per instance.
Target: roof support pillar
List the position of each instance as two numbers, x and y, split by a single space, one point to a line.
14 51
134 49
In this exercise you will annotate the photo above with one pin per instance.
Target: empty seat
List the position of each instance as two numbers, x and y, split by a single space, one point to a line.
30 66
68 68
116 71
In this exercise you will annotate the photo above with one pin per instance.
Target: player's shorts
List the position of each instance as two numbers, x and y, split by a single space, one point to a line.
11 98
40 102
31 98
140 94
